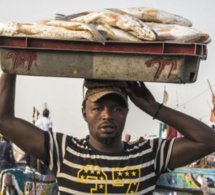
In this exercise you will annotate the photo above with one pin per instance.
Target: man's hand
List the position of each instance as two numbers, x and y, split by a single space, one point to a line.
140 95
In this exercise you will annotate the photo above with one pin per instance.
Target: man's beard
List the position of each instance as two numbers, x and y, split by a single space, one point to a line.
108 141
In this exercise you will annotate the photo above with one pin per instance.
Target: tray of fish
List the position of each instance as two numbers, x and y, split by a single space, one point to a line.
118 44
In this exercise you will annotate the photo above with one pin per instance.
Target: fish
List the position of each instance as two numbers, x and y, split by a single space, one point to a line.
39 30
105 29
148 14
178 33
116 34
8 28
59 16
64 17
76 26
130 24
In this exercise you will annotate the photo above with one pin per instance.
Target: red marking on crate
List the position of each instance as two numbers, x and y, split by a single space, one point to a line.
161 65
22 59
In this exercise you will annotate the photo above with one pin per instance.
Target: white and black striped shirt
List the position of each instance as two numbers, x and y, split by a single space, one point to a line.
82 170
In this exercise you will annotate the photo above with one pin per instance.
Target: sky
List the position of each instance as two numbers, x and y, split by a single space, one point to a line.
64 96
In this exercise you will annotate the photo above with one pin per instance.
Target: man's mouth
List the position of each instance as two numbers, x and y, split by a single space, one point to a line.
107 128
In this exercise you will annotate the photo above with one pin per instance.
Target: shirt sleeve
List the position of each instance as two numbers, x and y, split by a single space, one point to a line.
163 150
50 124
55 144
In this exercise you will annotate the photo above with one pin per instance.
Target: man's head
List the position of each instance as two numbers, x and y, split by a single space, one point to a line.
46 112
96 89
105 108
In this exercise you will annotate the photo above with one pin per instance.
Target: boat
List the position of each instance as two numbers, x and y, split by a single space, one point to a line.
197 177
189 179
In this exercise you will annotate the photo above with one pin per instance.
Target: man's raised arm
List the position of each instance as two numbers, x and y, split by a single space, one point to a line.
198 140
24 134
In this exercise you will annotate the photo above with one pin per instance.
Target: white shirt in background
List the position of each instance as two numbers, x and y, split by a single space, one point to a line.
44 123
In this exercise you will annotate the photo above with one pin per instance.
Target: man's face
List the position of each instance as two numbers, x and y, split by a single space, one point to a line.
106 118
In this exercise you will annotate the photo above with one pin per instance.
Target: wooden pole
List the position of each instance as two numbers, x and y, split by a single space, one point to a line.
210 88
165 96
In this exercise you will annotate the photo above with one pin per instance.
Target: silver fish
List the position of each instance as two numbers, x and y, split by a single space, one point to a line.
125 22
116 34
155 15
71 16
44 31
178 33
76 26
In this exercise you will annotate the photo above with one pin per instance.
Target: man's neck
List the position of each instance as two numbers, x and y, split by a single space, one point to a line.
107 146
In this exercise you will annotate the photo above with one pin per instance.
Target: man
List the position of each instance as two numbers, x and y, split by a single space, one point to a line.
103 163
44 122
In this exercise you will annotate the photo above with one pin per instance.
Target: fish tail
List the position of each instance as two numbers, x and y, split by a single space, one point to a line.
97 36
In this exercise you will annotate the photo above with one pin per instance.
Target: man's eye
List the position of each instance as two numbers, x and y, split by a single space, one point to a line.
97 108
117 109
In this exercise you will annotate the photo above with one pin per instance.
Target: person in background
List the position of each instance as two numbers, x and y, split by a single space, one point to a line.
102 163
44 122
127 137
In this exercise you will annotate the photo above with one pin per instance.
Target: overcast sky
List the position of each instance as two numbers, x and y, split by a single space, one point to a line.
64 95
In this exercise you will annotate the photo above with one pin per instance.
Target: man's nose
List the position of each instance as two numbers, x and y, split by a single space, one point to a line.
107 114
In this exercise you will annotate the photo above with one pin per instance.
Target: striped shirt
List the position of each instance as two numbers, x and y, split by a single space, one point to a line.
82 170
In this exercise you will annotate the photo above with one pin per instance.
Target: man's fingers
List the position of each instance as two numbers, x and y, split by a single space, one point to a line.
133 84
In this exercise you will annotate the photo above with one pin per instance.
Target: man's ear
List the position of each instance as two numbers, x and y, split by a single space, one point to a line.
84 114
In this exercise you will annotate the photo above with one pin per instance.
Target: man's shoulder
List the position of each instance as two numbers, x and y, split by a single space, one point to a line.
68 137
69 140
143 144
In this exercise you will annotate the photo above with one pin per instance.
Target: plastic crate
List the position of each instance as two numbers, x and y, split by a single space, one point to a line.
141 61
